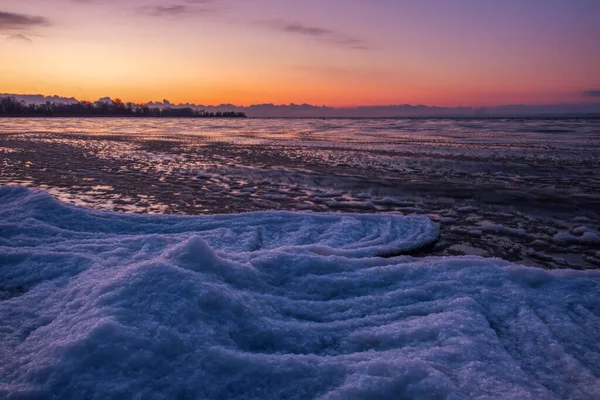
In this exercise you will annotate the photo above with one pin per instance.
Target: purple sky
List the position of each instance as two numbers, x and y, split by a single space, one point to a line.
336 52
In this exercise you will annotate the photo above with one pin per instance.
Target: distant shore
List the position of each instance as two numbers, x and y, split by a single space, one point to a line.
118 116
12 108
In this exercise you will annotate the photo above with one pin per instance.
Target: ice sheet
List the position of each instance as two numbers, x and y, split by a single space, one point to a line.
277 305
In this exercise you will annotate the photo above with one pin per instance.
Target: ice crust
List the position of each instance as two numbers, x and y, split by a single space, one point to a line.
277 305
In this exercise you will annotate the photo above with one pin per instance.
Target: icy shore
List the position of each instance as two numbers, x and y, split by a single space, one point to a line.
277 305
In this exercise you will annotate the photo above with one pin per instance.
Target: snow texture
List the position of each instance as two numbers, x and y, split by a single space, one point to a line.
277 305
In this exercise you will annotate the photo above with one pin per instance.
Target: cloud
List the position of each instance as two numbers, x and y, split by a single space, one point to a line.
321 33
174 11
592 93
19 37
185 8
121 2
13 21
166 6
160 11
305 30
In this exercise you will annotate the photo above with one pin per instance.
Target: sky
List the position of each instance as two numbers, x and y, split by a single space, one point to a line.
322 52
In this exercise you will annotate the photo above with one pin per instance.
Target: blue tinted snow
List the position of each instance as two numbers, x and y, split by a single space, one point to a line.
277 305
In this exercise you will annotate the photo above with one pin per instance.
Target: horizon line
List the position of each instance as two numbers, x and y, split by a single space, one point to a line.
167 102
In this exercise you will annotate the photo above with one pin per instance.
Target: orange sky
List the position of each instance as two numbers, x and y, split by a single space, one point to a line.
339 53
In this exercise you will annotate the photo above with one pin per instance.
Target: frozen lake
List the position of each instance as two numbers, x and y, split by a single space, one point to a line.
525 190
274 305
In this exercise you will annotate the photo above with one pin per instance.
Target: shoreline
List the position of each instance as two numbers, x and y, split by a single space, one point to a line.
511 206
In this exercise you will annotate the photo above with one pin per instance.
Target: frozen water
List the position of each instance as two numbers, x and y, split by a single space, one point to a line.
535 177
277 305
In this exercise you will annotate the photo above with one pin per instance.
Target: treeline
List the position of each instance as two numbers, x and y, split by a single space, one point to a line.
11 107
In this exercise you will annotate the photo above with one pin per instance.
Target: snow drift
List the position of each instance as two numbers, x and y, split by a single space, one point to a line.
277 305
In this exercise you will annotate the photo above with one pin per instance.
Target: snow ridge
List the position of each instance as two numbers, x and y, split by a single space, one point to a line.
277 305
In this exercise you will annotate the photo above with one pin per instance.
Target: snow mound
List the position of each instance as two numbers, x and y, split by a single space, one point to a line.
277 305
324 233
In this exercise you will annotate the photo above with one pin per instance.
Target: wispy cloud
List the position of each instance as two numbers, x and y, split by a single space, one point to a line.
147 2
160 11
13 21
183 8
317 32
592 93
19 37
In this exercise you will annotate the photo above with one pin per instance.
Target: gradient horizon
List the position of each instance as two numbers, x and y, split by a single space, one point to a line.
333 52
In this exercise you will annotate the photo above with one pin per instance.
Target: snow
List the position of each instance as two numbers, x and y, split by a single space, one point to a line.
501 229
583 235
277 305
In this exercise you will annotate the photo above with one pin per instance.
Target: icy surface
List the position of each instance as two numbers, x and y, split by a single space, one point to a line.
277 305
536 177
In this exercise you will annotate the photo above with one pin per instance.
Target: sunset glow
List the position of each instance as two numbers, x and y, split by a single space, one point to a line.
334 52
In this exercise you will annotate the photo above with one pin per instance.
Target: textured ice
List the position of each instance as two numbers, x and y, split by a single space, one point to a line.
277 305
583 234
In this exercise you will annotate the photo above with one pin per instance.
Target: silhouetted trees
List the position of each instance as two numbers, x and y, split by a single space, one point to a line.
11 107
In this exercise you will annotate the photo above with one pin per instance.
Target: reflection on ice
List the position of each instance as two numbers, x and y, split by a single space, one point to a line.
529 176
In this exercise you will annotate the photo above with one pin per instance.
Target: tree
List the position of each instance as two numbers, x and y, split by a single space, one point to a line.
10 107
